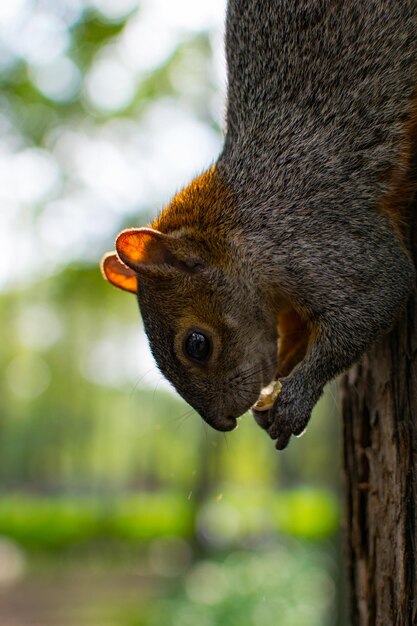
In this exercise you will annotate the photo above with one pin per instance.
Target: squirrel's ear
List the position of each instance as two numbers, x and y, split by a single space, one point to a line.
147 250
117 273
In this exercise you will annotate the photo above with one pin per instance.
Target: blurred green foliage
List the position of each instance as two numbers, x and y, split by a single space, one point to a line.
225 520
56 523
90 453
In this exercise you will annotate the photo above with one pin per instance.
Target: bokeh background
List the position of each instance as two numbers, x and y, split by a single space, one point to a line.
118 506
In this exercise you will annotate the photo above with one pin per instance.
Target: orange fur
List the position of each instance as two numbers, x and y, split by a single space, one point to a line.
197 207
294 336
403 183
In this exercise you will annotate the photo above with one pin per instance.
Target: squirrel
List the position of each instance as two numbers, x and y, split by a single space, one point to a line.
287 258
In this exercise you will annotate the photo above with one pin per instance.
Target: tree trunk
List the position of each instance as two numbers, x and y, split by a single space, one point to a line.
380 445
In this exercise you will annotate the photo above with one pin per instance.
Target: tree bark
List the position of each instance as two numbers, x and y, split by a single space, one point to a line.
380 459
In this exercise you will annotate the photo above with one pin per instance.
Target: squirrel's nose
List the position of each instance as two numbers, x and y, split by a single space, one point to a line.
223 423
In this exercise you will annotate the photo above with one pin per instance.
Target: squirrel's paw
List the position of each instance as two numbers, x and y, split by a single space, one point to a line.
289 414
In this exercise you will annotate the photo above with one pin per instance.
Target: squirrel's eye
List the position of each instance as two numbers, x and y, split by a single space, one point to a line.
197 346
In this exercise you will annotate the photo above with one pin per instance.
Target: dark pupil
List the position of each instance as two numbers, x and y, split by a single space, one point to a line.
197 346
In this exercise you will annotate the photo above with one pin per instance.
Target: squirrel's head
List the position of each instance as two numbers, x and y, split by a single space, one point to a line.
203 315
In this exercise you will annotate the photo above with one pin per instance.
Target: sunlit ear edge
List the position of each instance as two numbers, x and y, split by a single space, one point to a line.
131 246
116 273
134 248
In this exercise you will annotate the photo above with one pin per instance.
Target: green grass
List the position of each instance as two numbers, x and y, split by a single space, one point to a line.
223 519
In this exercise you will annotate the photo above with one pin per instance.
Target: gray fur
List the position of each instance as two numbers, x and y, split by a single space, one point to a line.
318 92
318 95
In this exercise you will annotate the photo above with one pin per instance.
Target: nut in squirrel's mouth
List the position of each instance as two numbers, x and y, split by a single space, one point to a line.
268 396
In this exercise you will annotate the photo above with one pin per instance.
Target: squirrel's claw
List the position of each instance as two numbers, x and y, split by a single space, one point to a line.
288 416
285 434
283 440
